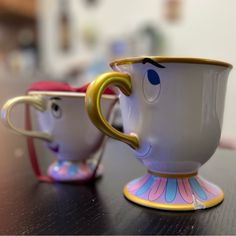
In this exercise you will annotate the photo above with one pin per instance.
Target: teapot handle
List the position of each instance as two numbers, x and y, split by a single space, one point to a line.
93 106
37 102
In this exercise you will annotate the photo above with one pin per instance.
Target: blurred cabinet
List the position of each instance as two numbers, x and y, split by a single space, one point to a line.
17 25
18 8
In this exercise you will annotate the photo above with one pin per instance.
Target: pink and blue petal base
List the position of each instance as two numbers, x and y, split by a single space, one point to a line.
178 194
73 170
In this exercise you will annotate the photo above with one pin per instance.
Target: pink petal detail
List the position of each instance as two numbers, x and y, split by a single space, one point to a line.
63 171
185 190
83 168
157 189
207 187
139 183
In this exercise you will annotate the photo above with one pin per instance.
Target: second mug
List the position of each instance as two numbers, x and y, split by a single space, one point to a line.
65 127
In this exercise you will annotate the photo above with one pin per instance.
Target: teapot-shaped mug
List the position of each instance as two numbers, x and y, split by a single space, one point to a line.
65 126
172 110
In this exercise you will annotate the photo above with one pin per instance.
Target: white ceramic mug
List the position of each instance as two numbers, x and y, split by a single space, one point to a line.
172 111
65 126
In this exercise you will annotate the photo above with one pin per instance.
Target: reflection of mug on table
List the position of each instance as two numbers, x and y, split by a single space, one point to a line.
172 111
65 126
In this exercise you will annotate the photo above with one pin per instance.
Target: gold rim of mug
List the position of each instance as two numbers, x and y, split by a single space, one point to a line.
190 60
163 175
172 207
67 94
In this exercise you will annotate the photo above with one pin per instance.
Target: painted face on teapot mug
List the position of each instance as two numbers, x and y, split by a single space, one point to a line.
172 110
64 125
74 136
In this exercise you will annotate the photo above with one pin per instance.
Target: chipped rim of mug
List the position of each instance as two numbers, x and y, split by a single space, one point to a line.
165 59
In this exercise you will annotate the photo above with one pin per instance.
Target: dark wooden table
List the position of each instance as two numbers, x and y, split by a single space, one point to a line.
30 207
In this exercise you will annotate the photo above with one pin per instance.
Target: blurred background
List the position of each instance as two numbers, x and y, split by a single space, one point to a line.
73 40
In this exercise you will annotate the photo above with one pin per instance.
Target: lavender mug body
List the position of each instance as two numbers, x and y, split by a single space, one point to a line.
66 128
172 110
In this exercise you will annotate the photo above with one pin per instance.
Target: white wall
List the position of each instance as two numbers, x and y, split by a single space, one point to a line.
206 30
53 61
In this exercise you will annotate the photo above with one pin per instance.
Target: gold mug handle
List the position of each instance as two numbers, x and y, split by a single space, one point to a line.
93 106
37 102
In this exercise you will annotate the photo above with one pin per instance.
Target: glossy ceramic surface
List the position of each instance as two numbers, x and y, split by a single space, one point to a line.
73 170
176 110
66 120
67 131
75 139
172 111
191 193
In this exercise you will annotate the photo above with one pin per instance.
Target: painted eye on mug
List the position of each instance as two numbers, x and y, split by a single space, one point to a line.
56 110
151 85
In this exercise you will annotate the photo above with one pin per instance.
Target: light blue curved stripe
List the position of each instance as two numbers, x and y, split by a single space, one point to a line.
171 189
72 170
146 186
197 188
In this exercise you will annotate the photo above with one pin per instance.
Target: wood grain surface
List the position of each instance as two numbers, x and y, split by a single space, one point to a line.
30 207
